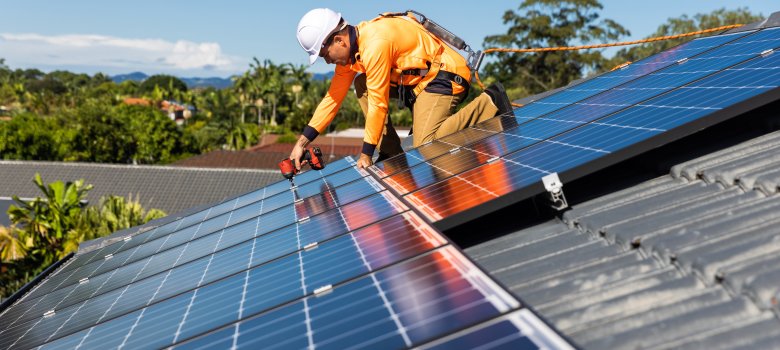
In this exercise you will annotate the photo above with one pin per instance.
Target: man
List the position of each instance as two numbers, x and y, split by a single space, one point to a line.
394 56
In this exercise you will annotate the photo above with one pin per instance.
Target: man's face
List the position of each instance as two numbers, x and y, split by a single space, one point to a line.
336 50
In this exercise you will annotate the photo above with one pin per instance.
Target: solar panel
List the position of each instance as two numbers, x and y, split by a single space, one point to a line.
556 101
668 103
335 262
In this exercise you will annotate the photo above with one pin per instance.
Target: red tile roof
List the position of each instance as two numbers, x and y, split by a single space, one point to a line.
234 159
267 156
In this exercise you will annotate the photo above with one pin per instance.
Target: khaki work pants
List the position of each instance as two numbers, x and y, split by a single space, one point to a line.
433 116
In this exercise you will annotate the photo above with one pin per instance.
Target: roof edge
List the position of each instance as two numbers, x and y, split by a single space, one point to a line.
22 291
130 166
772 21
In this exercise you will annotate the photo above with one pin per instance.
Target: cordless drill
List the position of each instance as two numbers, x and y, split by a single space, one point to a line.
312 156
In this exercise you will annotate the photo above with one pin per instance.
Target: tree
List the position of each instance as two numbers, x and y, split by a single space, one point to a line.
116 213
166 83
49 227
684 24
242 136
30 137
11 247
548 23
48 223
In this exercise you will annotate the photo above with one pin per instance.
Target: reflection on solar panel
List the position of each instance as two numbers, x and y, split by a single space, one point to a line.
588 126
334 263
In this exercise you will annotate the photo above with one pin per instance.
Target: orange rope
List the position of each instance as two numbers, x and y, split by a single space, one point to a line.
597 46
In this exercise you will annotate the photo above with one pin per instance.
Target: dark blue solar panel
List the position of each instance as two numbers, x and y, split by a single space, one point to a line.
348 264
594 128
537 129
615 78
556 101
250 292
327 196
657 115
379 310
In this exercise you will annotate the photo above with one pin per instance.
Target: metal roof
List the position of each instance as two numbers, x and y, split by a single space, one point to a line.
171 189
686 260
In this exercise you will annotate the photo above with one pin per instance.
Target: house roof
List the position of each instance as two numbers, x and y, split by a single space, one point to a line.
171 189
234 159
686 260
267 156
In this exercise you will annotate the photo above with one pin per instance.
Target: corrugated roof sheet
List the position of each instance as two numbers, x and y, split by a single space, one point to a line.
687 260
171 189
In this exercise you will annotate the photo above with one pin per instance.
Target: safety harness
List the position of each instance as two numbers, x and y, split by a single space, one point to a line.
407 94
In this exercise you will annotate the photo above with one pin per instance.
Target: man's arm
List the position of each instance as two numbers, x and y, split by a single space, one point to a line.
326 111
378 62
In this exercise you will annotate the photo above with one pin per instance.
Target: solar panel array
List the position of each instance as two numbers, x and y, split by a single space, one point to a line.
337 262
587 126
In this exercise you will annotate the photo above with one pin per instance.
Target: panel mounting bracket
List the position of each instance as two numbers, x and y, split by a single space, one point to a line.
554 188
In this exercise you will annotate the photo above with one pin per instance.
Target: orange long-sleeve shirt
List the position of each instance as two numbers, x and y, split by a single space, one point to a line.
386 46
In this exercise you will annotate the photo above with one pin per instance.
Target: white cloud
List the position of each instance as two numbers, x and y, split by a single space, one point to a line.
112 54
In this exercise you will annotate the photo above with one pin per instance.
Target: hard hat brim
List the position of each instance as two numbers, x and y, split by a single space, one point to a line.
313 58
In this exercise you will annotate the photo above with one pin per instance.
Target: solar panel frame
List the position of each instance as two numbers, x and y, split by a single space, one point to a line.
536 188
489 127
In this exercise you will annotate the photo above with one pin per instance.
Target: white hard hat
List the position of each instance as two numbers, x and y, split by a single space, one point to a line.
315 26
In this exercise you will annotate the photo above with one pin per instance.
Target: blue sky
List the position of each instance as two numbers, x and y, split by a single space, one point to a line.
219 38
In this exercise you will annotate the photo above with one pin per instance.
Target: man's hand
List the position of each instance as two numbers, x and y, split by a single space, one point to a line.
297 151
364 161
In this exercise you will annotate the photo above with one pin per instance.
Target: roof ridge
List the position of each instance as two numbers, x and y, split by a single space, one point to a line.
133 166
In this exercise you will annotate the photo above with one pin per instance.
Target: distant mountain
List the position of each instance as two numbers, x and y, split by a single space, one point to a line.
136 76
322 76
219 83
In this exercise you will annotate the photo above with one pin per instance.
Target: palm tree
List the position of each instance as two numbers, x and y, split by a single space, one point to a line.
11 246
245 87
48 223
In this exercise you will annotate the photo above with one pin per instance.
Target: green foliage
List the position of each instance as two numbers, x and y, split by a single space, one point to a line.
547 23
117 213
287 138
29 137
166 83
684 24
49 223
95 132
47 228
46 85
242 136
204 136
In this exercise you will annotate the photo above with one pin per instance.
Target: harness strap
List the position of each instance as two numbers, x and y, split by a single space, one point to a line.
432 72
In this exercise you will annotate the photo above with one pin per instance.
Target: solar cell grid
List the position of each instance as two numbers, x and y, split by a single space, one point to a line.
632 71
326 264
374 310
200 247
443 145
670 110
148 245
558 100
592 129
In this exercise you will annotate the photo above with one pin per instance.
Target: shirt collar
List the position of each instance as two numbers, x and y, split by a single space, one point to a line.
353 44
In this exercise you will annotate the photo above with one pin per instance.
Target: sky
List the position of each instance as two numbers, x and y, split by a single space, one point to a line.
220 38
